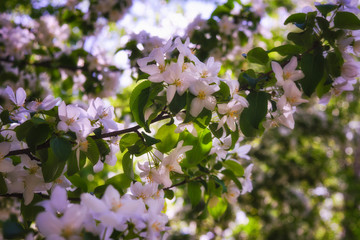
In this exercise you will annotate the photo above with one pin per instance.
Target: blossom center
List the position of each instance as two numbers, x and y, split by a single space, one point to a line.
161 68
286 75
115 205
70 121
156 226
204 74
67 232
178 82
202 95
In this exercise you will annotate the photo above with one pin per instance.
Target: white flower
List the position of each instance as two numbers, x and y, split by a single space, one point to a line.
231 112
242 151
6 164
203 92
98 110
177 79
48 103
145 191
58 201
207 72
350 69
19 98
288 73
69 226
220 147
68 116
232 193
246 181
292 93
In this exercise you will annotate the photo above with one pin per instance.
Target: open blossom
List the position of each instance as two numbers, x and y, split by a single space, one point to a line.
207 71
246 181
69 225
293 94
232 193
68 116
100 111
288 73
48 103
6 164
221 146
177 79
203 99
231 112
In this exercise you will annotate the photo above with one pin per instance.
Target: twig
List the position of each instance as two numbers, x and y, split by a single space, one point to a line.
27 151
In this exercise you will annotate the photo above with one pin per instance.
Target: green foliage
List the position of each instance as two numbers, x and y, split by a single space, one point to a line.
127 164
346 20
168 138
61 147
312 64
201 147
194 192
258 55
252 116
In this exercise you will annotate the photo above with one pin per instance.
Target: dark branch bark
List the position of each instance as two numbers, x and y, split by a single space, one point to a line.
27 151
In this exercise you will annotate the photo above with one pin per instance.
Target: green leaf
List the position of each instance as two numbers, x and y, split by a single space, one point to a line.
258 102
169 194
223 95
127 164
235 167
312 66
23 129
216 133
298 18
73 163
346 20
128 140
333 64
12 229
252 116
78 182
37 135
230 174
30 211
92 152
258 55
217 207
139 148
52 168
149 141
138 100
201 147
61 147
120 182
194 192
304 38
178 103
5 117
3 187
287 49
103 147
168 138
325 9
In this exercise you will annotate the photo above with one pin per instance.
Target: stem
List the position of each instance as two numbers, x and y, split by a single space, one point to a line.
104 135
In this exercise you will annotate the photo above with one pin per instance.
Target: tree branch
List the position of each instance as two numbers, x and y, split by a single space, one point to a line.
27 151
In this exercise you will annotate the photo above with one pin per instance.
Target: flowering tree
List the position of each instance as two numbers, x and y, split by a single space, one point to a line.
183 125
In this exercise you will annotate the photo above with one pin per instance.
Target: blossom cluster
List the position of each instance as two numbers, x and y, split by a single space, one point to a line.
138 213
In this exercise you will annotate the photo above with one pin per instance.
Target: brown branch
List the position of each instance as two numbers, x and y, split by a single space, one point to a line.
44 196
50 64
27 151
184 182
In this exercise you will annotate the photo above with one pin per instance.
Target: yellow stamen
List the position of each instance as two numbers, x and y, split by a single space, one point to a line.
202 95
